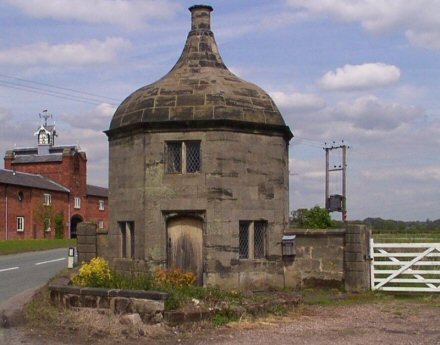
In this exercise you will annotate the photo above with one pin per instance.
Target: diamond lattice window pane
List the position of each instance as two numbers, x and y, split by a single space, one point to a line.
259 239
243 240
174 158
192 157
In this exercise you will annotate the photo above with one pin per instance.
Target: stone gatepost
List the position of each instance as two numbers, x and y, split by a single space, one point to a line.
86 241
356 258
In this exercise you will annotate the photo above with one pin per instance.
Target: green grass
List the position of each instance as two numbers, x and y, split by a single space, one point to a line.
21 246
406 236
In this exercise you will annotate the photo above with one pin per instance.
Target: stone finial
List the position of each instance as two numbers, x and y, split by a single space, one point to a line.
201 17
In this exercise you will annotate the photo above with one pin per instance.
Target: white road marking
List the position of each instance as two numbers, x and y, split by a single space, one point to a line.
46 262
9 269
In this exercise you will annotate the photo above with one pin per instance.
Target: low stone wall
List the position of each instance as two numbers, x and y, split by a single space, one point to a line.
148 304
319 260
330 258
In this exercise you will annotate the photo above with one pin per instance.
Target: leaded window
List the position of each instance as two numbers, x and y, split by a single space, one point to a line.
182 157
174 157
259 239
192 156
252 240
243 240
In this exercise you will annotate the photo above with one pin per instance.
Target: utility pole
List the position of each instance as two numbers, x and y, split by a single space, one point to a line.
336 202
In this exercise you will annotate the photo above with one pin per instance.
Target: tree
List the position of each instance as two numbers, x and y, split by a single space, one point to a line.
314 218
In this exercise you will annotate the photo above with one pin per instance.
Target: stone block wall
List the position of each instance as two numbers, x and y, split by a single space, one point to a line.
319 260
331 258
149 305
86 241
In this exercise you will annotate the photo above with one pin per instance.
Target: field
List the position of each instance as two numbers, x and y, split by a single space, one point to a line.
386 236
21 246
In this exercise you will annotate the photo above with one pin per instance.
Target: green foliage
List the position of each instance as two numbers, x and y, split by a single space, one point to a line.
380 225
59 226
224 317
314 218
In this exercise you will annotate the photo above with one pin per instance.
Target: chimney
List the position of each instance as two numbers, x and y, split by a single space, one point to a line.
201 17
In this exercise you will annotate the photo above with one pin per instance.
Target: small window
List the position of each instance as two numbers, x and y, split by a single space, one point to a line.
20 196
101 224
182 157
259 240
101 205
192 156
244 240
47 201
252 239
77 204
20 223
127 239
174 158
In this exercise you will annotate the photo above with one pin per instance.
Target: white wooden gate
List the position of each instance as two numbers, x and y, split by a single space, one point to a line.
405 266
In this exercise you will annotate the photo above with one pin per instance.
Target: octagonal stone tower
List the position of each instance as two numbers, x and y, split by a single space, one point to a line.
199 172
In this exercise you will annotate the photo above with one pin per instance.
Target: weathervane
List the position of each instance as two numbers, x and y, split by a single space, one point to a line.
44 115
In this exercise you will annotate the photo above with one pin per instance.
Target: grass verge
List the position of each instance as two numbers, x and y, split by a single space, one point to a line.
21 246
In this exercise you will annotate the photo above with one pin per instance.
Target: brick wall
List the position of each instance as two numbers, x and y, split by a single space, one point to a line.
32 209
94 214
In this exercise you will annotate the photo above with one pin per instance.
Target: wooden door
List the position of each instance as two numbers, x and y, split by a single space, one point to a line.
185 245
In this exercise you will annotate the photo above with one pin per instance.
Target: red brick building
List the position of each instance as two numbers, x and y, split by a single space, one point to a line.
45 186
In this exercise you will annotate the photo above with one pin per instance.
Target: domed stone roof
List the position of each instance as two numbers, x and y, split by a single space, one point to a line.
199 88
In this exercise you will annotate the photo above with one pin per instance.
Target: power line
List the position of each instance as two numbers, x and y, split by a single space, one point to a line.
74 95
48 93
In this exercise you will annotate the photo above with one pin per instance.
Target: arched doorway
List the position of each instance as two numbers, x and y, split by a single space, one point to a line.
74 221
185 245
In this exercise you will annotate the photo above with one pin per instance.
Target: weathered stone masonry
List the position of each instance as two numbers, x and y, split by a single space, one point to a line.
167 216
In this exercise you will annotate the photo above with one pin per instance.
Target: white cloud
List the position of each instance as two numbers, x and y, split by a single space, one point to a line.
97 119
371 113
360 77
427 39
130 14
298 101
417 18
78 54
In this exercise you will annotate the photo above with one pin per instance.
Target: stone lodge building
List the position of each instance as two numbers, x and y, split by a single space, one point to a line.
40 183
198 173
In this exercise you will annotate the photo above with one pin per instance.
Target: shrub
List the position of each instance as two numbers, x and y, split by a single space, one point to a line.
59 226
175 277
94 274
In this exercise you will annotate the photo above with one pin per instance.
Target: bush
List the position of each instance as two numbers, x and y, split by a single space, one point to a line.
175 277
94 274
59 226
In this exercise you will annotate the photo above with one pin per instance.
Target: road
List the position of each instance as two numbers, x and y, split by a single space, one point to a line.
21 272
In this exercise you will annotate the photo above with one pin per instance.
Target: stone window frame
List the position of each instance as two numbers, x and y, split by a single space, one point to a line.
182 146
101 206
20 223
47 199
77 203
127 243
248 235
100 224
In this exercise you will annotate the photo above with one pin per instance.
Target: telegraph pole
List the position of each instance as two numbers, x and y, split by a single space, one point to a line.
336 202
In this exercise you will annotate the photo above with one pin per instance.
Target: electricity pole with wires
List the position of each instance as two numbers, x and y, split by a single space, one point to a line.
336 202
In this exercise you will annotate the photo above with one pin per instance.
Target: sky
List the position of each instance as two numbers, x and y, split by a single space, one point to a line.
365 72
